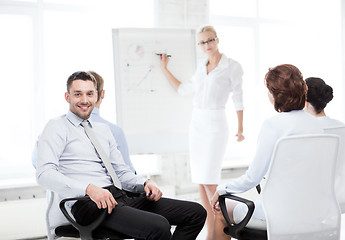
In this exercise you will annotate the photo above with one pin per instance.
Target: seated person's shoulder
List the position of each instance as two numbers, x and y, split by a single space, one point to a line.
101 125
337 123
113 127
57 122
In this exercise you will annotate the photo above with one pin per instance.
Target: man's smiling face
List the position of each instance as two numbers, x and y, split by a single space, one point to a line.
82 97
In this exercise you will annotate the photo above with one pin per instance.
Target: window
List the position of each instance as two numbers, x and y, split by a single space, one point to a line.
16 59
264 33
42 42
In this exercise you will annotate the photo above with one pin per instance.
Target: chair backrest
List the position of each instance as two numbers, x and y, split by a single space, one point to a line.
50 197
298 198
54 216
340 169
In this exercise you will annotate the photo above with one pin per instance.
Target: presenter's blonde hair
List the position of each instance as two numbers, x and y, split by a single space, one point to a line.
207 28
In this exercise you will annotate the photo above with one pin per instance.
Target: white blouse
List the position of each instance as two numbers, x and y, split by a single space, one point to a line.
281 125
330 122
212 90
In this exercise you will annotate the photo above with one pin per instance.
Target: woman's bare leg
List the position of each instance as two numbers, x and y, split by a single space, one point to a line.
220 223
206 194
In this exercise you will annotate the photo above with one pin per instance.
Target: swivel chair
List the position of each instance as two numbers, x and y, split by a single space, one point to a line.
70 228
74 230
340 169
298 199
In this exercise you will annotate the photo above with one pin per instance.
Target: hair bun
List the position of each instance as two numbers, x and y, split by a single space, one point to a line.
327 93
319 93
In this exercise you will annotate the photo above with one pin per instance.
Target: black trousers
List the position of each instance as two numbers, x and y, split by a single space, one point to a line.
141 218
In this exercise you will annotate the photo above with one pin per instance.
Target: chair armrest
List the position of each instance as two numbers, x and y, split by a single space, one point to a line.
232 227
258 188
83 230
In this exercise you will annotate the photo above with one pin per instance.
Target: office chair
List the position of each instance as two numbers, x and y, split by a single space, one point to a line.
298 199
75 230
340 169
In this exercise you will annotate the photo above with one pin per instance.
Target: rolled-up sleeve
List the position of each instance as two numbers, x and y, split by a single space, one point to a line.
187 87
236 84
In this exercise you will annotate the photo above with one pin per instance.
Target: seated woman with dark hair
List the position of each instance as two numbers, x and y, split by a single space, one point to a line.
318 96
287 92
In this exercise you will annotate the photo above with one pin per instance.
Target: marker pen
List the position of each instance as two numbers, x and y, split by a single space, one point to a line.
160 54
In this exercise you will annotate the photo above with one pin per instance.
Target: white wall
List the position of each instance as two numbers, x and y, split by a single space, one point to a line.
22 218
343 47
25 218
22 210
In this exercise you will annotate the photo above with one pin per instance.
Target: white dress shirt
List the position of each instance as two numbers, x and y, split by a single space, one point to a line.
330 122
67 161
281 125
212 90
117 132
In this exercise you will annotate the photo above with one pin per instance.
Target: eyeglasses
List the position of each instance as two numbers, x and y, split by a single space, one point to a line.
208 41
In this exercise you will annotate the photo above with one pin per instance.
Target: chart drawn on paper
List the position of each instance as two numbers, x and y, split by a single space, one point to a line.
142 67
150 111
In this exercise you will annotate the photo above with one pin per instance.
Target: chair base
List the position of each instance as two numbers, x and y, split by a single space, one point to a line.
249 234
98 233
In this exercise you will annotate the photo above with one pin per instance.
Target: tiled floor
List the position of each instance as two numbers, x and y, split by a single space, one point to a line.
202 235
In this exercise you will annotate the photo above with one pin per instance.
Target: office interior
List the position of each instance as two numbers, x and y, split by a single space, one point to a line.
43 41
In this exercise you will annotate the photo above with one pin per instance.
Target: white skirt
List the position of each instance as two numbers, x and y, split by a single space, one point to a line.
208 138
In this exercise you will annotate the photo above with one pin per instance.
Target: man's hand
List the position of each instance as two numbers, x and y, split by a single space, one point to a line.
102 197
152 191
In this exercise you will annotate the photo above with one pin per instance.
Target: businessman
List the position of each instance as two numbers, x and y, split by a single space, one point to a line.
117 132
73 152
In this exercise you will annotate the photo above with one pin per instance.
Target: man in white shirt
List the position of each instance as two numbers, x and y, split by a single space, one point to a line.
69 165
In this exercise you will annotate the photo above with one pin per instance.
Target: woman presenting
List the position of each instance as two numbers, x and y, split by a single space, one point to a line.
215 78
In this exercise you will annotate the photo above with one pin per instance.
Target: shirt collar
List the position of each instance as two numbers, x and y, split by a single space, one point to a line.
205 61
221 63
75 120
95 111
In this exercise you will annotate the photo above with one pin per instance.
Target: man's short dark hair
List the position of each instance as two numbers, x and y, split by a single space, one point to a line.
80 75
